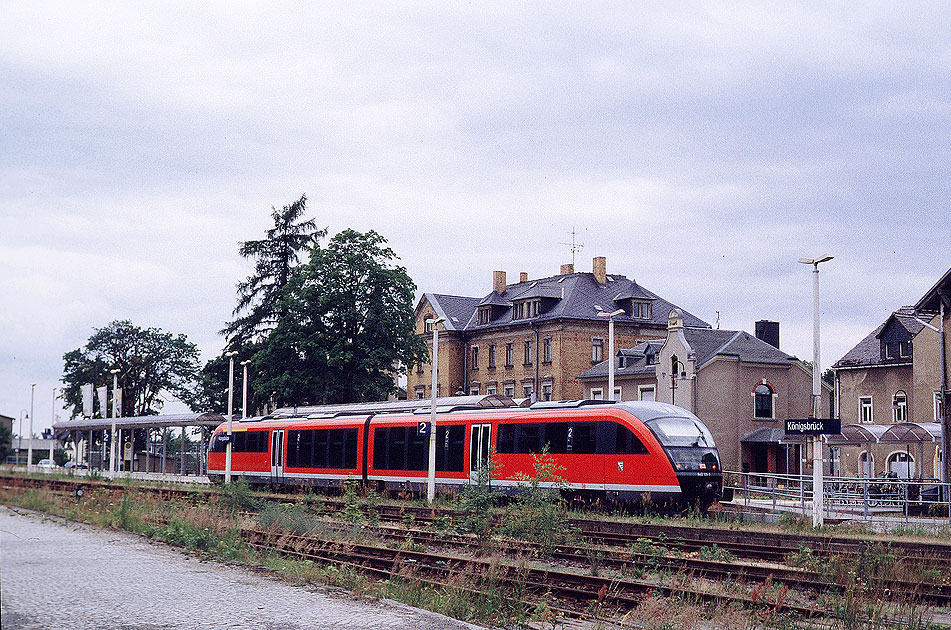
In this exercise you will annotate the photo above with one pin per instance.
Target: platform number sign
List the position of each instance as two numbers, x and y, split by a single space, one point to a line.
422 428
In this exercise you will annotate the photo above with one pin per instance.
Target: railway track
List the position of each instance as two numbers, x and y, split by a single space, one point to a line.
622 548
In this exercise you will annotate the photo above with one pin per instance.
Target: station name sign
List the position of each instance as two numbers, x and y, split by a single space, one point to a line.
814 426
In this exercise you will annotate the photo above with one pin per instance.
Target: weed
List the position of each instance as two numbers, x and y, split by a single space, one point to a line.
237 496
537 512
719 554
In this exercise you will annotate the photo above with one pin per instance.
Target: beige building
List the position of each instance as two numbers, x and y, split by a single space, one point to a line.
741 386
897 375
534 337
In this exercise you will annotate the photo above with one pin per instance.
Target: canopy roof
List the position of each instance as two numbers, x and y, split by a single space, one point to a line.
206 419
901 433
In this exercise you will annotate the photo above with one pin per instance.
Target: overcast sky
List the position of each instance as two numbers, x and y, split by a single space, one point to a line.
702 148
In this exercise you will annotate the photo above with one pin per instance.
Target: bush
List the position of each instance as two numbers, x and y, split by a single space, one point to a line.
237 496
537 512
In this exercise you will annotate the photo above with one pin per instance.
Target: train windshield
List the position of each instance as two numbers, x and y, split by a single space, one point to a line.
680 431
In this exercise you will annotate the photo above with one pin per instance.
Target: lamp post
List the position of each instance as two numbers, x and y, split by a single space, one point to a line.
52 421
611 317
431 481
20 433
674 362
230 356
115 413
817 470
244 402
29 447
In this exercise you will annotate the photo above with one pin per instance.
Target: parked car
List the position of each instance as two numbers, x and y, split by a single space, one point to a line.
47 464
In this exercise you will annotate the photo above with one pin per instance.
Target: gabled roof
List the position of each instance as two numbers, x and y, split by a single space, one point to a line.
576 296
931 300
868 352
456 309
707 344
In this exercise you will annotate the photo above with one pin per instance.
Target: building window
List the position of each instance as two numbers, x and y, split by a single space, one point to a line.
897 349
485 315
490 390
597 350
420 392
617 393
510 391
528 353
546 392
546 350
645 392
900 407
526 309
902 464
475 357
491 355
473 390
419 367
763 401
938 408
641 310
866 414
509 352
429 325
527 391
597 394
866 465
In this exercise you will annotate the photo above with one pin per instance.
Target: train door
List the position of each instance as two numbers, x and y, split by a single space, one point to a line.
479 449
277 456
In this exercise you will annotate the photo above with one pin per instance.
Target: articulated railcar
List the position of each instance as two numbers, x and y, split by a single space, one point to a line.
626 452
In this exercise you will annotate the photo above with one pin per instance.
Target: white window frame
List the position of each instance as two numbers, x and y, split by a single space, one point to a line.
597 393
597 343
899 409
617 394
641 389
938 415
510 390
772 400
546 391
491 389
474 389
871 410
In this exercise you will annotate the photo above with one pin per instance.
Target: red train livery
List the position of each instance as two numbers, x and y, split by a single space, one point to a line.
625 452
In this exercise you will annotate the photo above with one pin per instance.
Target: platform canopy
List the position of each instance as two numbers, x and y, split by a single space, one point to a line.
901 433
206 419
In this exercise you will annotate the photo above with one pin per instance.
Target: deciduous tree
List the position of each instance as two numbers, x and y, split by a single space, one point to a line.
151 363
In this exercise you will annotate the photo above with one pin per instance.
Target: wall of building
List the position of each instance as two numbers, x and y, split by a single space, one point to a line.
881 383
926 374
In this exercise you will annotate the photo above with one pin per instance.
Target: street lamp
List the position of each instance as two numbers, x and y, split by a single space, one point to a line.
230 356
29 456
20 434
115 412
431 482
52 422
244 403
817 471
611 317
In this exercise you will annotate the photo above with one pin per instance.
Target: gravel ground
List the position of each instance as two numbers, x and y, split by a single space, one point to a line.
55 574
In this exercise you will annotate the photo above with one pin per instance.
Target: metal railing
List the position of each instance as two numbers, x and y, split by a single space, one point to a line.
843 497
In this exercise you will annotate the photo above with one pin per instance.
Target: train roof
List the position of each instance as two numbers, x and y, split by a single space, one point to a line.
459 406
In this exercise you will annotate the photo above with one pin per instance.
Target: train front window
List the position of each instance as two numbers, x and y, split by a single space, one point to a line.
680 431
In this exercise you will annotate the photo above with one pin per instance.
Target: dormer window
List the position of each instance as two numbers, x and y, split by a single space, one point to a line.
897 349
526 309
485 314
640 310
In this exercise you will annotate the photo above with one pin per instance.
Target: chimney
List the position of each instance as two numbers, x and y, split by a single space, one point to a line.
523 277
498 281
599 269
768 331
566 269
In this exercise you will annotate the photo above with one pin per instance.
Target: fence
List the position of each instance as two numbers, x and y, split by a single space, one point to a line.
844 497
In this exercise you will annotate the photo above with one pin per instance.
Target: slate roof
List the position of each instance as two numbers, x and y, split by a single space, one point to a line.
575 296
868 352
707 344
457 309
931 300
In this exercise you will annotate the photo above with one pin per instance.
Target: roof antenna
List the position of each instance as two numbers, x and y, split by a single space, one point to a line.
718 320
575 247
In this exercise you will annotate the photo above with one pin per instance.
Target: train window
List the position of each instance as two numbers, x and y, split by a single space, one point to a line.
337 445
379 448
628 443
321 444
396 448
418 452
506 439
240 442
557 437
584 438
450 448
528 438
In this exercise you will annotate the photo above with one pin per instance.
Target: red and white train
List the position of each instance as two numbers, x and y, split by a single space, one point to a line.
627 452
